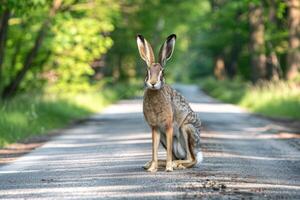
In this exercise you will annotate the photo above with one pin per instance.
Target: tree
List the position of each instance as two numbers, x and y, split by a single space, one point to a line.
219 68
274 71
3 32
219 61
257 41
293 57
12 87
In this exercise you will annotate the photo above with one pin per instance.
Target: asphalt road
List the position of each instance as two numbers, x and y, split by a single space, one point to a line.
245 157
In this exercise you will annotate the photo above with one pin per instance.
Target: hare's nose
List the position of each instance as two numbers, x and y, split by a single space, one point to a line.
152 84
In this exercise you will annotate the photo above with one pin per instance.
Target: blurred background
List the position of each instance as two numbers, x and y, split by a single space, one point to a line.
65 59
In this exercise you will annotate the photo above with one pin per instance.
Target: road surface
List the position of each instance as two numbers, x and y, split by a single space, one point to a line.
101 158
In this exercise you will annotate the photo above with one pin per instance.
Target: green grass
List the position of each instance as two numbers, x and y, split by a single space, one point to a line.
273 99
28 115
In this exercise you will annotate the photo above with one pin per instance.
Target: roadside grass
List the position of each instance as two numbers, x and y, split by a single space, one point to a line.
34 114
274 99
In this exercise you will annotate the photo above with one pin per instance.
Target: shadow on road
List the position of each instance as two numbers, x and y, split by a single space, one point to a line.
244 156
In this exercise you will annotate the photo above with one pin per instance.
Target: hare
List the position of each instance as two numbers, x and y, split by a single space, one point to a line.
173 123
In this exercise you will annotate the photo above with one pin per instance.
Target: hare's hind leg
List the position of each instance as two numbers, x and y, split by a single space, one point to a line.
161 163
190 160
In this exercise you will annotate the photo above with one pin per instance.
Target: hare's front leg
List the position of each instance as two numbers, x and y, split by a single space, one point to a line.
155 145
169 133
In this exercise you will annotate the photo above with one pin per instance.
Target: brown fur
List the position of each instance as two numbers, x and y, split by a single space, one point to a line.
172 121
166 106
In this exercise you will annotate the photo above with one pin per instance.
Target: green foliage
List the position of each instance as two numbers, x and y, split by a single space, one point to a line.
275 99
77 35
27 115
33 114
77 41
84 46
25 20
155 20
84 31
227 91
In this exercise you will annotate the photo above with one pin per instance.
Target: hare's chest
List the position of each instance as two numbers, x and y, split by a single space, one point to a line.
157 110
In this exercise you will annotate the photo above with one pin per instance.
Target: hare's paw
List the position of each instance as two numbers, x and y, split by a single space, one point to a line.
152 167
177 165
169 167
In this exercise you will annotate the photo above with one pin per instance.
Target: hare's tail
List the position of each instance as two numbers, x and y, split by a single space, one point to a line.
199 158
198 153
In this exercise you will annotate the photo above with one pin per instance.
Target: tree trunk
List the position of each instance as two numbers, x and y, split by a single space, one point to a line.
219 69
116 71
293 57
231 67
3 32
257 42
98 65
12 87
273 65
236 47
219 61
274 71
120 68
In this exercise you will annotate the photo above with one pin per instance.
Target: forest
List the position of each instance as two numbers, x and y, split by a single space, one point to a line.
64 59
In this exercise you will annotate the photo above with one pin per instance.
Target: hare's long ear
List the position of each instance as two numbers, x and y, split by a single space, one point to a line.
145 50
166 49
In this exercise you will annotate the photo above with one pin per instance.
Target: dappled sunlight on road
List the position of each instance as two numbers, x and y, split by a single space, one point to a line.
265 185
230 155
136 107
125 106
116 191
215 108
251 136
102 157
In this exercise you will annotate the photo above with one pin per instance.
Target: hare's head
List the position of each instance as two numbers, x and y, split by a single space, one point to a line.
155 76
